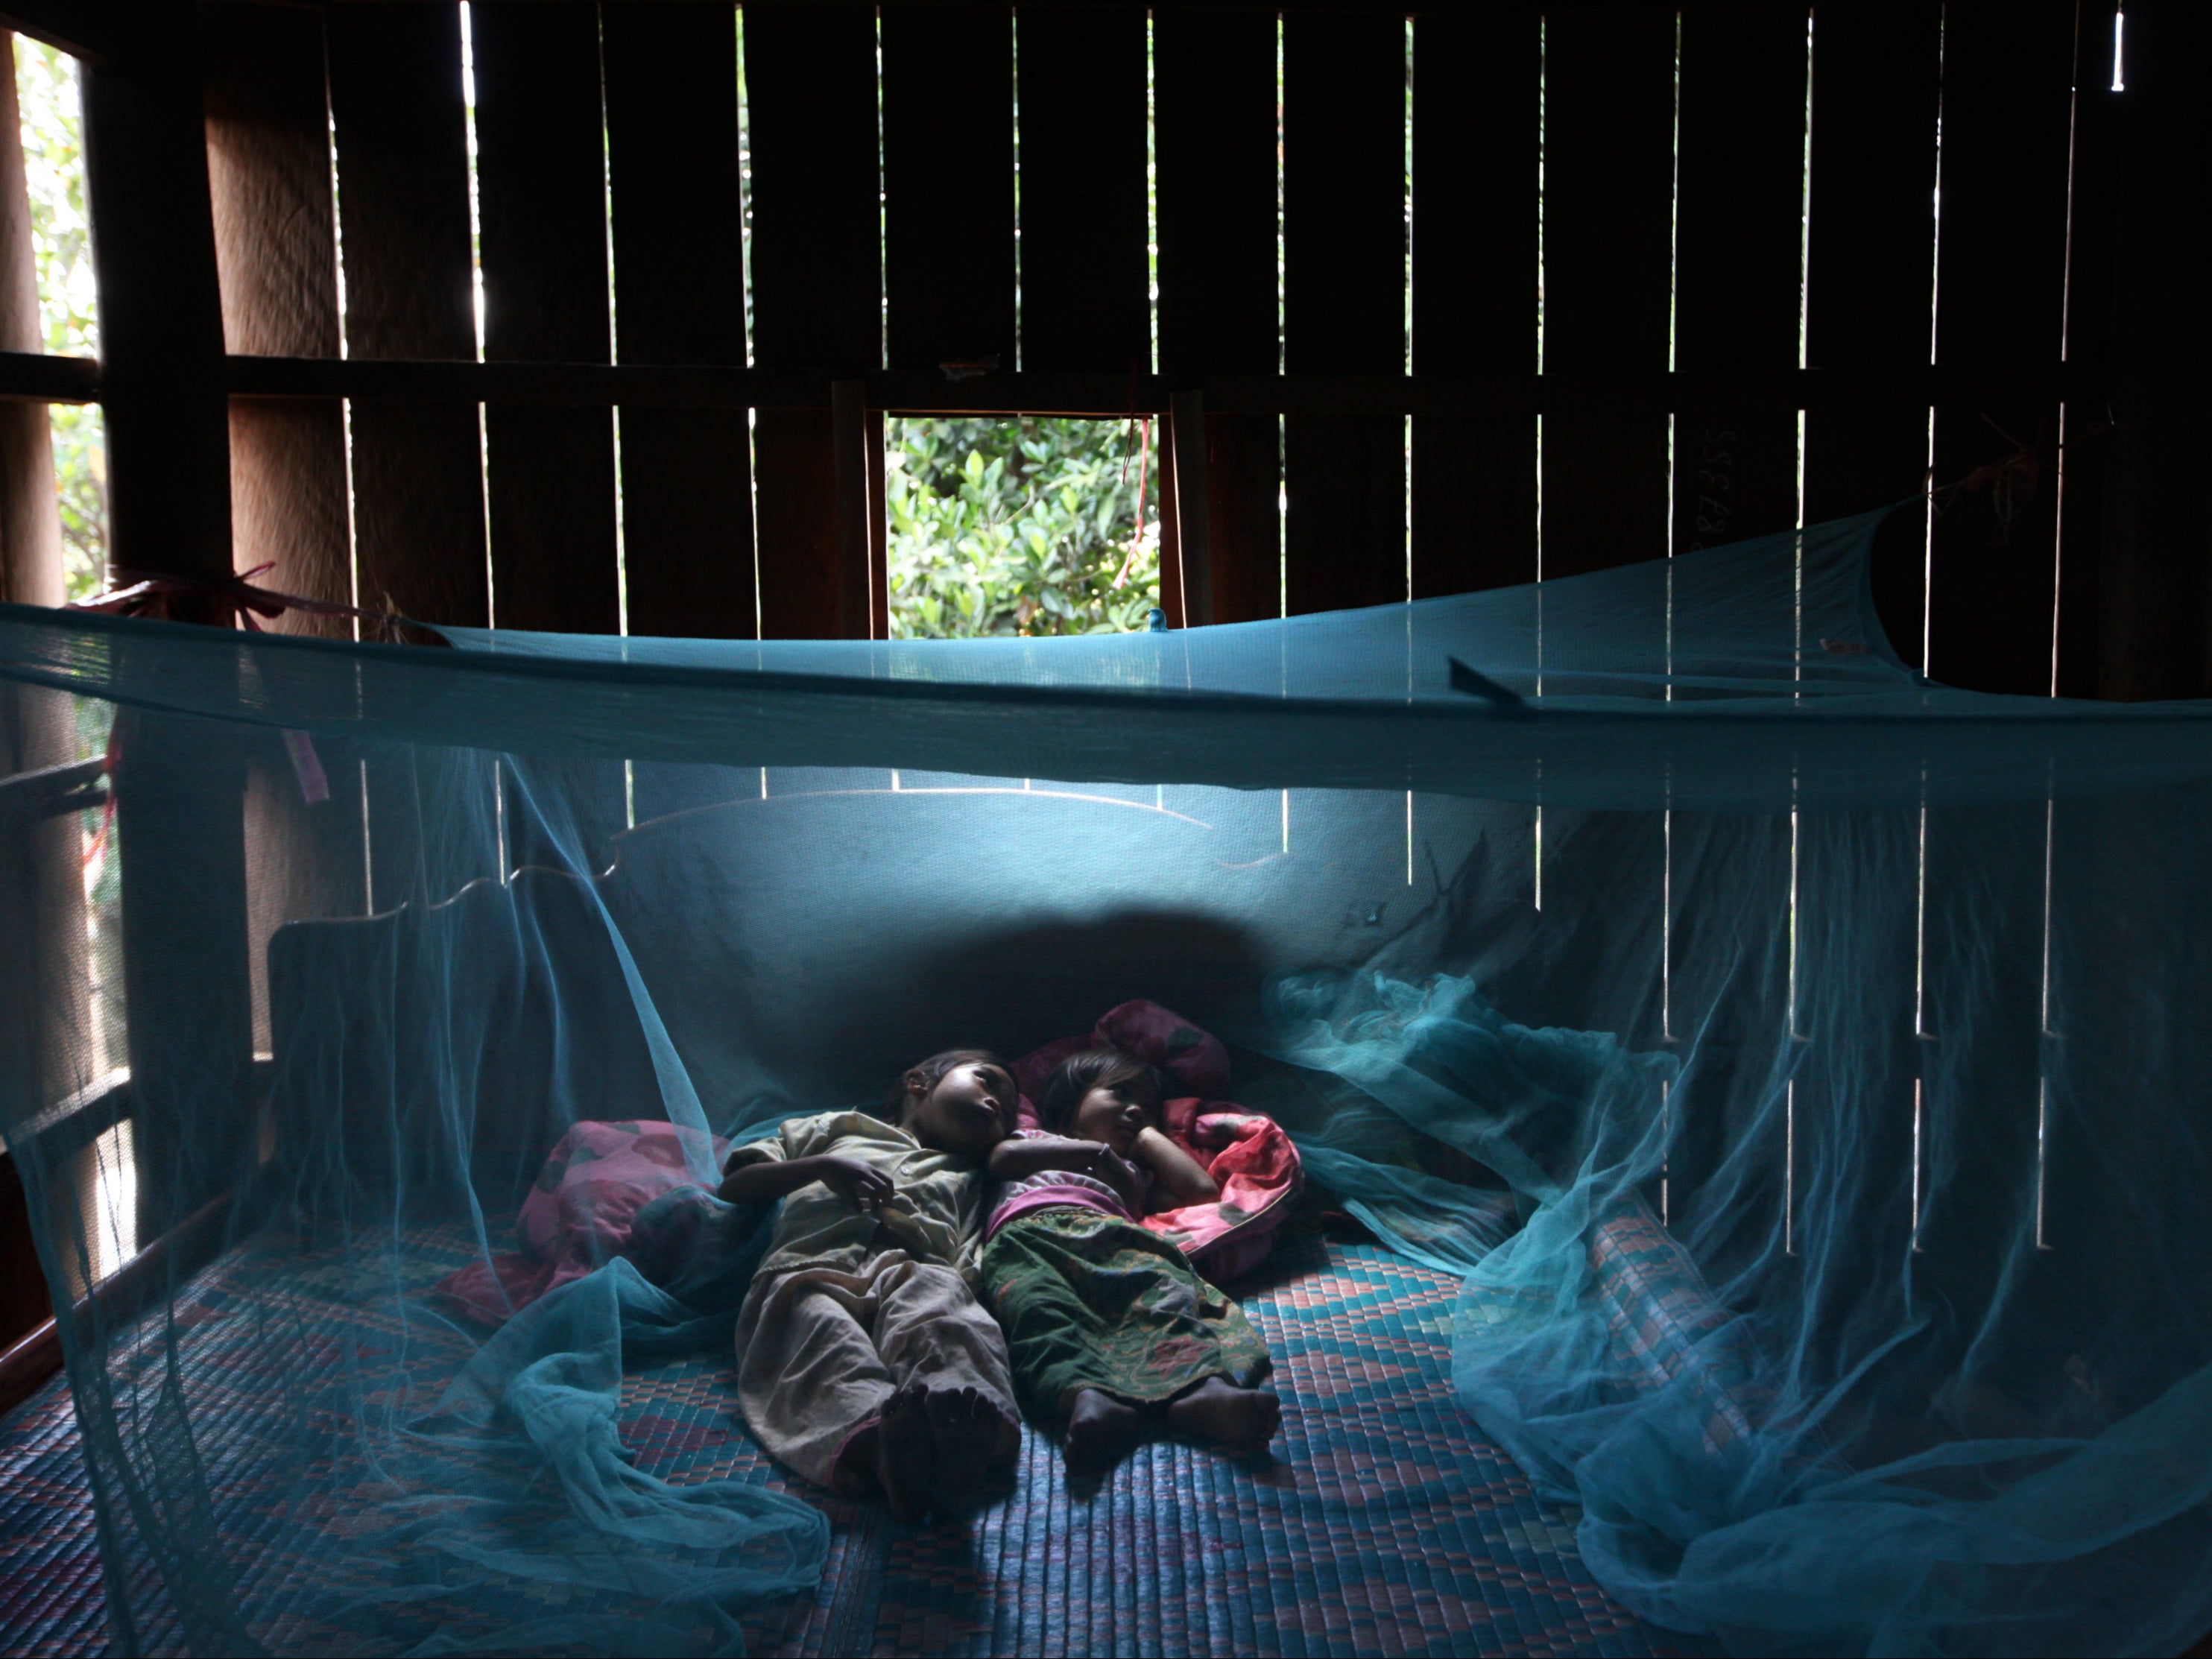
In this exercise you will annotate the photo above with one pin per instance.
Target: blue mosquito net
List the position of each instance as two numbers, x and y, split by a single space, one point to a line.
1805 1065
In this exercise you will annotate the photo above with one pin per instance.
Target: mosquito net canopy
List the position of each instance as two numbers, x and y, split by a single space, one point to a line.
1842 1039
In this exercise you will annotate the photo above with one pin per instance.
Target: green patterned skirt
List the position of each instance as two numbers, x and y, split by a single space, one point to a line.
1089 1301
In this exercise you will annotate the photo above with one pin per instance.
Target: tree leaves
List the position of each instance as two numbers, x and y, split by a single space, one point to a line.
1017 526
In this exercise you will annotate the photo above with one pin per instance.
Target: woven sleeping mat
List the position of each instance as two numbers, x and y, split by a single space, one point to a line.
1383 1522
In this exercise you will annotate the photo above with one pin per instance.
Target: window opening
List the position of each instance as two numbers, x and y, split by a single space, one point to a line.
49 94
2119 30
1027 524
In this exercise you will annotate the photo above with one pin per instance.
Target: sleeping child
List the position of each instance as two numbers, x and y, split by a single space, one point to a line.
863 1360
1107 1324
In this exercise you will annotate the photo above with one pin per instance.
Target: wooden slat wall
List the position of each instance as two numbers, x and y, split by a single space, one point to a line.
403 167
541 186
943 285
1608 184
1085 303
672 92
1475 114
1214 134
1739 237
269 178
1869 273
2008 70
1343 284
817 279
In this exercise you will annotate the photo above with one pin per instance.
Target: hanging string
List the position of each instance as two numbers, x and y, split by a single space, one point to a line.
155 596
1144 468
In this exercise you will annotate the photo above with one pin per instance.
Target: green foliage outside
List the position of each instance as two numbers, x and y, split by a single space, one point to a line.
61 245
1024 526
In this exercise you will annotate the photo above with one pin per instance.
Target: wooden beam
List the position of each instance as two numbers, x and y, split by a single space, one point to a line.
701 386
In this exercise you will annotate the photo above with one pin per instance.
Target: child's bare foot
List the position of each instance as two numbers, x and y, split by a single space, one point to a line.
1100 1429
976 1442
906 1455
1238 1419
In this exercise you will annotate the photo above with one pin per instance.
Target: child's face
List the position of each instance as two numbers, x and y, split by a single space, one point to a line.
970 1110
1109 1114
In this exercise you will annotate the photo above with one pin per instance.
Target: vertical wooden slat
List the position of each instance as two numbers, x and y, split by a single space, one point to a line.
949 185
269 171
817 279
542 192
1344 290
1609 92
1085 282
1475 118
2093 218
2152 588
1869 272
403 167
2008 71
672 106
1740 230
1214 141
269 176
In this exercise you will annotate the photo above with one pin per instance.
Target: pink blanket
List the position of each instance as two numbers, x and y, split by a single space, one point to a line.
580 1214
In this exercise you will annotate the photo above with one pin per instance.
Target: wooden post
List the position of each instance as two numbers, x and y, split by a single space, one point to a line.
178 786
857 602
1186 432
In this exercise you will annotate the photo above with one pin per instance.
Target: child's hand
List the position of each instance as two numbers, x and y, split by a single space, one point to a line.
860 1185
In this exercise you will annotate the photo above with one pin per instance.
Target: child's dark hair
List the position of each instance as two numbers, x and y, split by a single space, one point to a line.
935 1070
1094 1068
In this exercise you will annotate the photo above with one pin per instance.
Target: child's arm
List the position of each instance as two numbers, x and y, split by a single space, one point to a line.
1013 1159
1182 1174
857 1183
